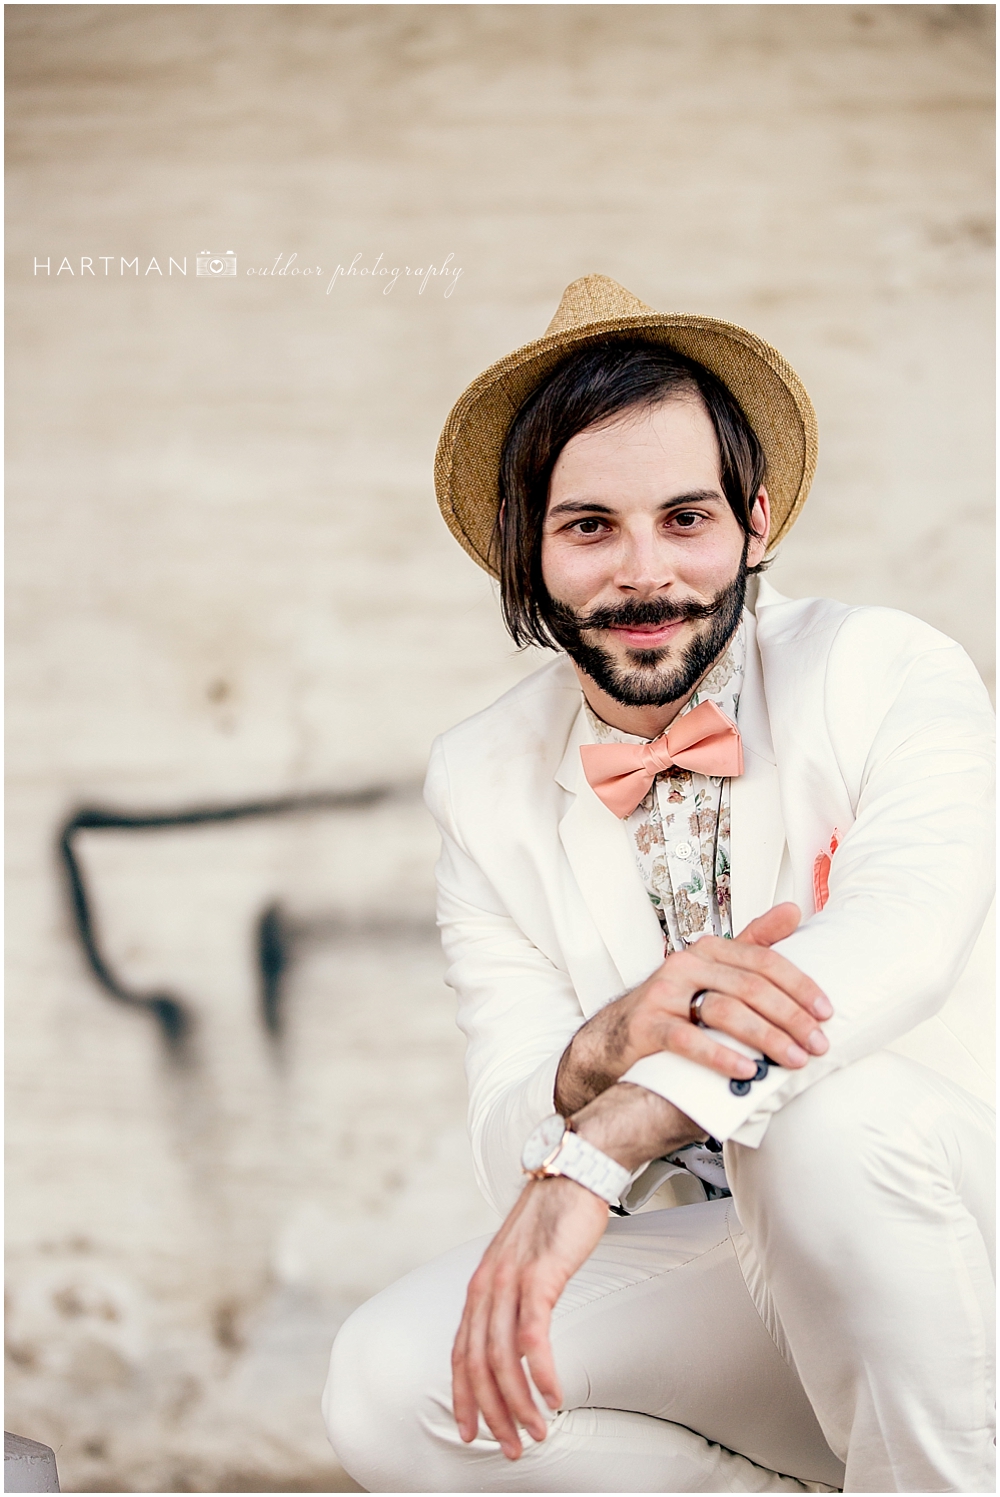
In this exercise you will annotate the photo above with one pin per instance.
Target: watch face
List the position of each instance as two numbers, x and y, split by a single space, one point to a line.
542 1141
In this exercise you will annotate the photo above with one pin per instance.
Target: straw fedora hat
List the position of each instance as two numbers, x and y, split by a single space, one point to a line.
466 468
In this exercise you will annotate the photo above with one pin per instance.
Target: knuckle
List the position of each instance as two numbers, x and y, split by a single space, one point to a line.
681 1038
749 986
800 1024
723 1059
785 973
759 990
766 963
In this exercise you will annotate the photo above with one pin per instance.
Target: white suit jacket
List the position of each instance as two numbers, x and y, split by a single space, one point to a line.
862 724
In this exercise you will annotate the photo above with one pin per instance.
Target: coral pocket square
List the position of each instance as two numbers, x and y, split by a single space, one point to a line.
821 874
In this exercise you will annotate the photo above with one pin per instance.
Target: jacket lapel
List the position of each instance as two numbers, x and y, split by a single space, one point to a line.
757 831
597 846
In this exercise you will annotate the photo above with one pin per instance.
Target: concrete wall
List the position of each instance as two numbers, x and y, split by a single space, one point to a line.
227 578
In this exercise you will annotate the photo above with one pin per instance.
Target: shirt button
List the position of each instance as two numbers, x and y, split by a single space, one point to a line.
683 851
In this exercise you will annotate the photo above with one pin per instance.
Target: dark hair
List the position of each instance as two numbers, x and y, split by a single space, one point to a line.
593 385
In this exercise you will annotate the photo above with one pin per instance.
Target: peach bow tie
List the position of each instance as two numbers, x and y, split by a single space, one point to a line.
704 740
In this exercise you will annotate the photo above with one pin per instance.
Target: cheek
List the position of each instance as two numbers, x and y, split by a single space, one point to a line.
711 566
572 573
702 569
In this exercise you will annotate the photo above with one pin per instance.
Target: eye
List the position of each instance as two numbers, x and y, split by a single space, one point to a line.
686 518
590 526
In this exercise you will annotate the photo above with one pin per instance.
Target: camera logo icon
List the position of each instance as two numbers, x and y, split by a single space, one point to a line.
216 265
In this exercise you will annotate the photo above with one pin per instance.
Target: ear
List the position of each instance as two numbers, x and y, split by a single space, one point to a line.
760 519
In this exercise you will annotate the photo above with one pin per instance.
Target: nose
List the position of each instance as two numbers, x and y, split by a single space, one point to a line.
642 565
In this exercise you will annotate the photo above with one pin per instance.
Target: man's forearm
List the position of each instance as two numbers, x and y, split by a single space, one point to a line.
634 1125
595 1058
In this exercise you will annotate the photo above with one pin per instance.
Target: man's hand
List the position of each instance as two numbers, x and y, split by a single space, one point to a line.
551 1231
754 995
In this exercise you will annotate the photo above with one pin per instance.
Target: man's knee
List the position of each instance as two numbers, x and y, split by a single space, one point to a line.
387 1400
374 1395
356 1402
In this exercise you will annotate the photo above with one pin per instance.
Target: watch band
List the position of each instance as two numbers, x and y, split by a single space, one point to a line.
581 1161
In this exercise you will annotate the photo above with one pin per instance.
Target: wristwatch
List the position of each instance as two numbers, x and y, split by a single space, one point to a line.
554 1149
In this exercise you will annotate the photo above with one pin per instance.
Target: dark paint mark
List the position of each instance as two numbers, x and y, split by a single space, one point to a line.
175 1021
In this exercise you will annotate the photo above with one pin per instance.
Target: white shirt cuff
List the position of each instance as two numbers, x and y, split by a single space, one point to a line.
704 1095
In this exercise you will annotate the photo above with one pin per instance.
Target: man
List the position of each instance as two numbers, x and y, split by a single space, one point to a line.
709 878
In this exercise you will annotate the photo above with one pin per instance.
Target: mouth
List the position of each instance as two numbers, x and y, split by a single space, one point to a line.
647 636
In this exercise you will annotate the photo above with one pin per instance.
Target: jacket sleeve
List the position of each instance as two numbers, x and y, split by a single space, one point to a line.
910 884
516 1009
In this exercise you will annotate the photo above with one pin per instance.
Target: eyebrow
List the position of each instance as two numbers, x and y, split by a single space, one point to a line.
594 507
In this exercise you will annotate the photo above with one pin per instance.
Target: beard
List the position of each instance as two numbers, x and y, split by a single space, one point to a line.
650 678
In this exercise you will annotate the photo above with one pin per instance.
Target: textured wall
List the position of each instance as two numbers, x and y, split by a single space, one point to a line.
227 578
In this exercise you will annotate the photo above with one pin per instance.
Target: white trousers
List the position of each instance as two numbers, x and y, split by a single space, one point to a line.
835 1333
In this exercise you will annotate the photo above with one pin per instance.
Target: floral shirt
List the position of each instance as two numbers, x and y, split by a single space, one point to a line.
680 835
680 831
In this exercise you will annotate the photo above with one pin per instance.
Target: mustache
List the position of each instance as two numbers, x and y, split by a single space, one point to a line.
650 613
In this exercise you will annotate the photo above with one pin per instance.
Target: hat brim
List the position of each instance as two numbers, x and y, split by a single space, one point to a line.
770 393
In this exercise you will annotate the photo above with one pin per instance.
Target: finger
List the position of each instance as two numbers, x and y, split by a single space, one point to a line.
497 1416
773 926
682 1038
743 1020
752 1010
488 1398
740 1021
505 1363
474 1389
535 1343
465 1404
463 1399
777 969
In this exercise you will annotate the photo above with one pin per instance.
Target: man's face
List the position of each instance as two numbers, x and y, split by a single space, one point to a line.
641 554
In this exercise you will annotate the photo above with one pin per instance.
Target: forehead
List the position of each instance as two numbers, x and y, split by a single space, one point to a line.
672 444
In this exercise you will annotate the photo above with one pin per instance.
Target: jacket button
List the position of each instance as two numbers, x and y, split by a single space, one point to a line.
683 851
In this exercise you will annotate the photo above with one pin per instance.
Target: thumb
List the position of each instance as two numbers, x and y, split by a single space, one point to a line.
775 925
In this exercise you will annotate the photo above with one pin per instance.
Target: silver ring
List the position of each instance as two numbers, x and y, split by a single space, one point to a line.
694 1012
